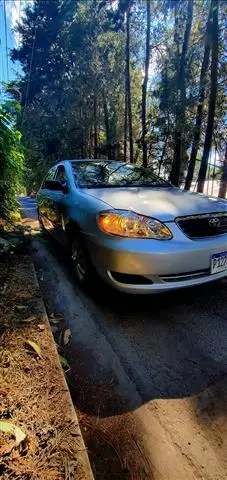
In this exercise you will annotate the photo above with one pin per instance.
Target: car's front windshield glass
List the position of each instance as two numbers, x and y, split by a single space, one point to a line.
114 174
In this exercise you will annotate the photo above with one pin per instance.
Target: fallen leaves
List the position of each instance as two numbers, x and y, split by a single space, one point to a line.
34 346
33 395
4 288
55 318
67 336
41 327
8 427
29 319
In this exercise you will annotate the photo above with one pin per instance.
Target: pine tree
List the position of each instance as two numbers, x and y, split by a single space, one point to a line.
212 98
179 148
199 114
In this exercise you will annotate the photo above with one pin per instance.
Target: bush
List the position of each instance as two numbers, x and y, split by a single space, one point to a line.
11 159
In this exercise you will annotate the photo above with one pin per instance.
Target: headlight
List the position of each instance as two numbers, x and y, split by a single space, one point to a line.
129 224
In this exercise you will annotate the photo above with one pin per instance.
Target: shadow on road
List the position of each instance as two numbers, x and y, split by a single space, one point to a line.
142 367
169 345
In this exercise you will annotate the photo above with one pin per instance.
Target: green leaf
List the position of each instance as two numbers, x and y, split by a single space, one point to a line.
21 307
34 347
64 362
8 427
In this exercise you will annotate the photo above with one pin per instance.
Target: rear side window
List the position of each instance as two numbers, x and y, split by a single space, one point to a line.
61 174
50 176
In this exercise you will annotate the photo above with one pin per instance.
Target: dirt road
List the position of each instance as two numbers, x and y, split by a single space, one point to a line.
164 357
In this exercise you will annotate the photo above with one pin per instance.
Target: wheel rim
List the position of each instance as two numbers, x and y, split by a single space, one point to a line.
79 261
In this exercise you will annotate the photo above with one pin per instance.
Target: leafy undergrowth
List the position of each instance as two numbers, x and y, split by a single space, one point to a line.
38 439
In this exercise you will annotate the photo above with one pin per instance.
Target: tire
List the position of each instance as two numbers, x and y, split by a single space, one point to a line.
82 267
42 228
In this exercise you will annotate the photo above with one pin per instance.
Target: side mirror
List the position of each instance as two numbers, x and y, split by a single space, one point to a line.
56 186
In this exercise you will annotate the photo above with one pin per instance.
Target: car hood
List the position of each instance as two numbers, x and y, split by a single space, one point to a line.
164 203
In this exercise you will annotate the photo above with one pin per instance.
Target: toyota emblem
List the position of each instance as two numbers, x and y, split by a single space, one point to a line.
214 222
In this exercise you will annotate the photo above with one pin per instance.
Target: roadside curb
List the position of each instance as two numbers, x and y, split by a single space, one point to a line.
80 446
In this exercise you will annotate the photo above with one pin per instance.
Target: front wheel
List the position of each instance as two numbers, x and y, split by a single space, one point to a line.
40 220
82 267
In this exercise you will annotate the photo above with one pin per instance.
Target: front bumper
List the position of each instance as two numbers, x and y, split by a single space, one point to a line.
158 285
165 265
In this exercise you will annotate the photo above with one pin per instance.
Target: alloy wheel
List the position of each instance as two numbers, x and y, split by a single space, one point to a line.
79 261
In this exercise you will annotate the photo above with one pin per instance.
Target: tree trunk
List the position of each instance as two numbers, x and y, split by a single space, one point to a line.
82 135
163 155
126 114
212 98
125 125
144 86
223 185
107 125
179 149
128 83
90 143
199 114
95 129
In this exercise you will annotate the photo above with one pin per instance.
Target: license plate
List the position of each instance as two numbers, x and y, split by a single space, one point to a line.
219 262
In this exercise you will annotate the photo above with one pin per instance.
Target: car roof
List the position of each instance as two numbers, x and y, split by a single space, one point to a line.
86 160
92 160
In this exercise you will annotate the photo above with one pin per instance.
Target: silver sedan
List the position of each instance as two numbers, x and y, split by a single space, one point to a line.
138 232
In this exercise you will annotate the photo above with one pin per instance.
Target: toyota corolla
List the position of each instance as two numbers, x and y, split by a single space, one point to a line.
135 230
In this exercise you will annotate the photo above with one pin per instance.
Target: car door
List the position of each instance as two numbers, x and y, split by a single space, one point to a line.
44 199
58 204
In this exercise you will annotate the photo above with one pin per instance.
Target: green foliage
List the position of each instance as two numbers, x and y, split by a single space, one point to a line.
76 86
165 96
73 92
11 159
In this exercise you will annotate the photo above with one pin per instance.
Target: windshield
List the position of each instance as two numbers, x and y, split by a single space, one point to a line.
114 174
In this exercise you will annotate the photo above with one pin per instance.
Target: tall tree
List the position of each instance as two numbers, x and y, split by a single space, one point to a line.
124 10
212 98
125 122
179 147
144 85
95 129
128 82
223 184
200 107
78 102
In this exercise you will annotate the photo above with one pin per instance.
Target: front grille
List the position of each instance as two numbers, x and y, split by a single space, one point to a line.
207 225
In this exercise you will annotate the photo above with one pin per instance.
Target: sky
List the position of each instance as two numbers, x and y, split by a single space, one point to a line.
14 10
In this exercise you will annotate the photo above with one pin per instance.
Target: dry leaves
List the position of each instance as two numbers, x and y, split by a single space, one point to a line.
41 327
21 307
67 336
34 346
8 427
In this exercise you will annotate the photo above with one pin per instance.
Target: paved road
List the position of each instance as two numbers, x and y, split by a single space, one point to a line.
28 207
165 357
